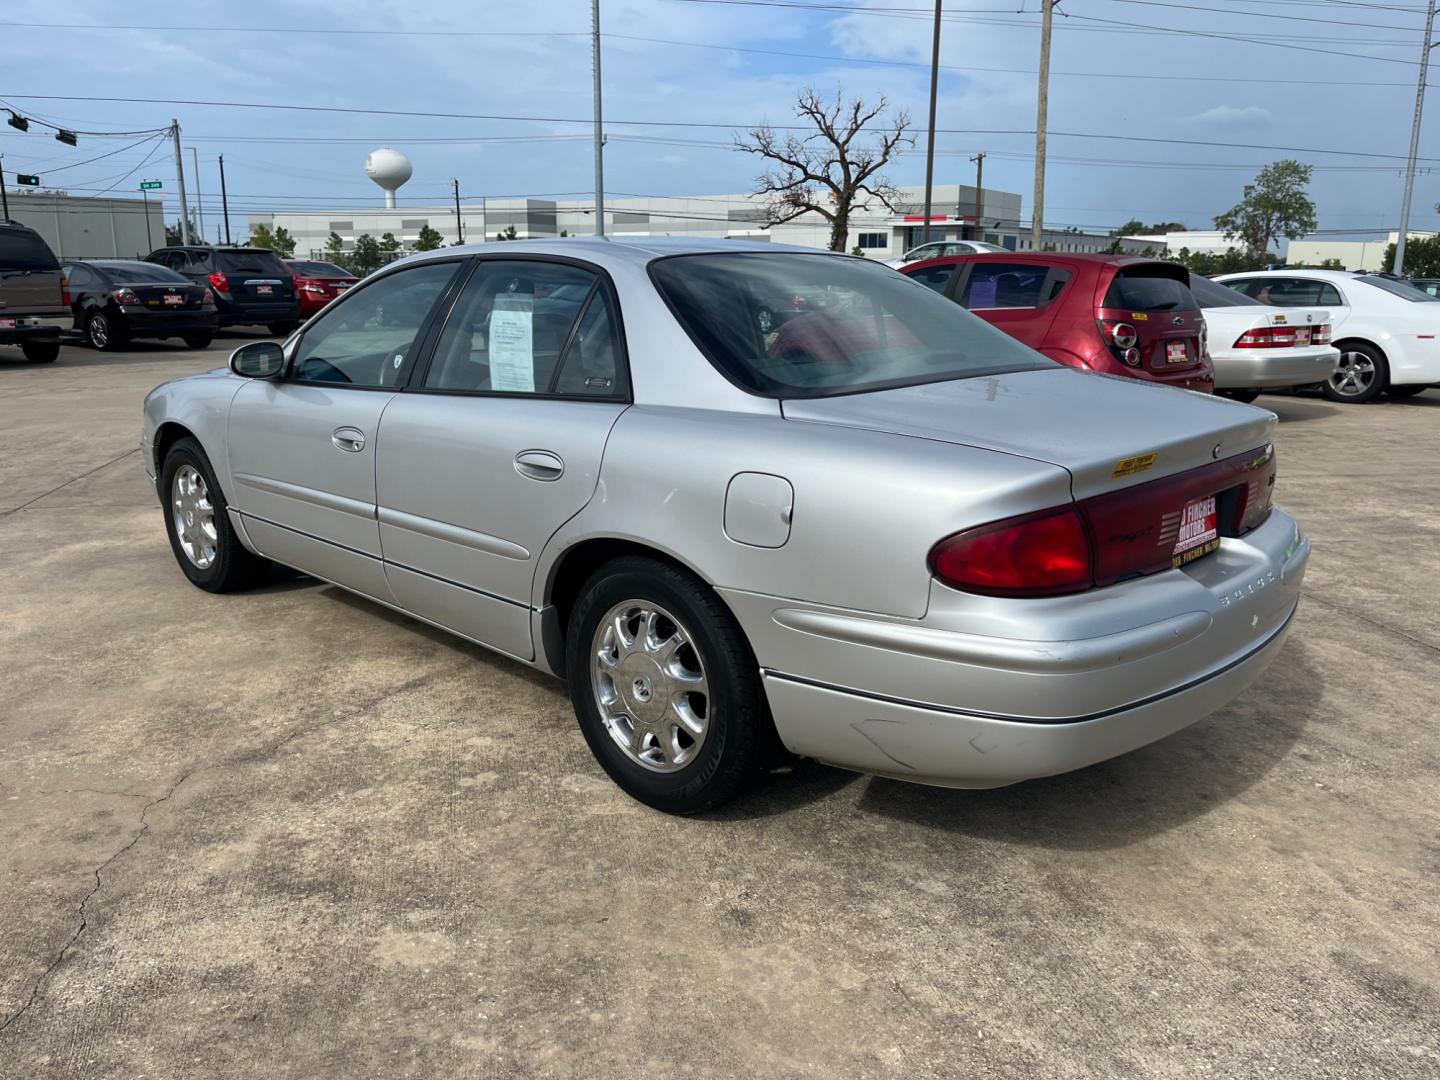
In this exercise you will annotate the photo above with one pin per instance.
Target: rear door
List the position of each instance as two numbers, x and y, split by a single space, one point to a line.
302 447
1019 298
498 442
29 275
1155 298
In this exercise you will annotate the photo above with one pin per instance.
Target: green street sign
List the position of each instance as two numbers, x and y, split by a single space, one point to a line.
150 185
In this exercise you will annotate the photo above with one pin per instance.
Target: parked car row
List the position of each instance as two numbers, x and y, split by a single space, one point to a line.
1355 335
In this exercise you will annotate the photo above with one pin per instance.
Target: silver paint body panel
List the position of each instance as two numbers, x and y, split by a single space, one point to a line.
868 662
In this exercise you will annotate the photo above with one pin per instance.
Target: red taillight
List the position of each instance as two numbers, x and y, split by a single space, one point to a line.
208 300
1321 334
1105 539
1032 556
126 296
219 282
1276 337
64 285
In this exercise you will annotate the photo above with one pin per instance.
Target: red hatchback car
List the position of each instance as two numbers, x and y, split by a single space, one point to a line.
317 283
1117 314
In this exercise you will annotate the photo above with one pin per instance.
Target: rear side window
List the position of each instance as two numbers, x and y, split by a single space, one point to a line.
22 249
1141 290
1010 285
1210 295
251 263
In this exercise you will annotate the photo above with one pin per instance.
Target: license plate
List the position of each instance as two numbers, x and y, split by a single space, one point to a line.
1199 530
264 290
1302 335
174 298
7 324
1175 352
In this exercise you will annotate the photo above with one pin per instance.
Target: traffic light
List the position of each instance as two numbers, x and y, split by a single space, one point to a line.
27 180
67 137
19 122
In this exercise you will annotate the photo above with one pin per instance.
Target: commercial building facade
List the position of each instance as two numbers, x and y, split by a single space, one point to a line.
91 228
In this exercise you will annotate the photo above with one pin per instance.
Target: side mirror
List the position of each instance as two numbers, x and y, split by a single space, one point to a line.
258 360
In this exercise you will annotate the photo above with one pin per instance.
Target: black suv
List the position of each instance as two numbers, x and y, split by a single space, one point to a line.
34 298
251 285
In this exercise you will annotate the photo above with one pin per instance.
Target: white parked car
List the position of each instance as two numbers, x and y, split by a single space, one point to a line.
937 248
1256 347
1386 329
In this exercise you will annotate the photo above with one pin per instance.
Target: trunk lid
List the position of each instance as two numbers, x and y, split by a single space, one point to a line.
1107 432
256 276
169 296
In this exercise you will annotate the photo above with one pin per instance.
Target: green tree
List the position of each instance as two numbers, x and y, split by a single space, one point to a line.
1275 205
1422 257
1233 261
1336 264
279 241
388 244
508 234
173 237
858 250
366 256
428 240
833 170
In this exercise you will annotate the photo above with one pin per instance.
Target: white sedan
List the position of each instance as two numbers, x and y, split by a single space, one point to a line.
1386 329
1256 347
937 248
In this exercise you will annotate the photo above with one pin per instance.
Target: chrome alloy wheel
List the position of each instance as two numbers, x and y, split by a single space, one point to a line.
99 330
1354 376
193 516
649 684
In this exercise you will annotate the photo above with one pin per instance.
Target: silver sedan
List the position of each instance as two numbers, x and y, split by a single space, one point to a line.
748 500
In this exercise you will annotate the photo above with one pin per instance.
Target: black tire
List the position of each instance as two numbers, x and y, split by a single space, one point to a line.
1407 391
199 341
282 329
1246 396
100 333
1349 384
233 566
738 728
40 352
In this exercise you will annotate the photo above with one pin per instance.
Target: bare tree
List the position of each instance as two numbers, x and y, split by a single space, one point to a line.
831 170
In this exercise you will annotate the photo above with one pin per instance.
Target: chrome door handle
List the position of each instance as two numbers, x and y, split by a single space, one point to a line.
539 465
349 439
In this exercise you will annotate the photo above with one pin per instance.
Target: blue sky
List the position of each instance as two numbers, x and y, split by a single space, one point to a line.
1308 80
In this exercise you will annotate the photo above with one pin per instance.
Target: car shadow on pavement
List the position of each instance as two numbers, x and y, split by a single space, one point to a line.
1137 795
1294 410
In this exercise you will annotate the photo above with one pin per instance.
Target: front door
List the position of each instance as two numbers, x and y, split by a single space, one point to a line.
497 443
302 447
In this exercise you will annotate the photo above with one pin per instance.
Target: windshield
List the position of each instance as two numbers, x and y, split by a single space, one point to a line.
139 272
319 269
1208 294
1402 289
796 325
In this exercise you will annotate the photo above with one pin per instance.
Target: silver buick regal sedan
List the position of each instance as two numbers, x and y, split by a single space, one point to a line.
749 499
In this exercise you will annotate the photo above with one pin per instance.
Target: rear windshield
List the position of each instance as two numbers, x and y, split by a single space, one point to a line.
1140 290
21 249
265 263
797 325
1209 294
139 272
1399 288
318 269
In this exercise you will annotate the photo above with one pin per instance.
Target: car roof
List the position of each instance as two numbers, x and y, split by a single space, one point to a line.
1091 257
633 249
1299 271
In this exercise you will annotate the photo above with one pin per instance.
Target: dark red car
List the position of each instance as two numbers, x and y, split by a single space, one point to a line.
317 283
1117 314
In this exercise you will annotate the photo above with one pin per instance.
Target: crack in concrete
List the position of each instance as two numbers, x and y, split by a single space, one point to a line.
67 483
1310 595
239 759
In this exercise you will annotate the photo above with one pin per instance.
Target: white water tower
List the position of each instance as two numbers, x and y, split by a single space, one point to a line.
388 168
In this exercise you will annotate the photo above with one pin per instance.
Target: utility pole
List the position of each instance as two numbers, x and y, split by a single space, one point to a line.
4 198
599 123
149 240
199 198
1037 211
930 142
1400 238
979 160
186 235
459 225
224 202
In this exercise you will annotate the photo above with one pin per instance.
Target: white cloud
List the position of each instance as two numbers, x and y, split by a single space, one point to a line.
1231 116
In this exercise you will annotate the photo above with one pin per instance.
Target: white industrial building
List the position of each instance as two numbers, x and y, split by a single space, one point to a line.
877 230
1195 241
90 228
1366 253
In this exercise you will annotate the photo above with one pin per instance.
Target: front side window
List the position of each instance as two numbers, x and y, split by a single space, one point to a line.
935 277
363 339
1007 285
530 327
859 325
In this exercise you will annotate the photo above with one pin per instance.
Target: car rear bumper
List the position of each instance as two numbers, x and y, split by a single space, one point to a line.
34 327
1259 369
259 314
996 691
145 323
